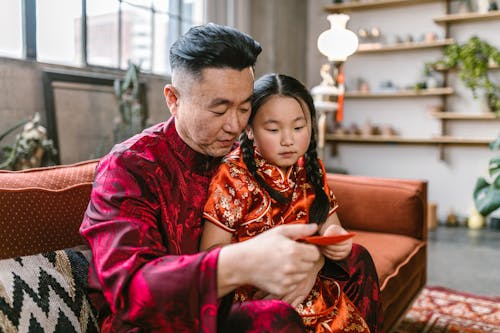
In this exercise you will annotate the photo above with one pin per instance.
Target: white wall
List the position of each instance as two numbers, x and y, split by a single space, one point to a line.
450 181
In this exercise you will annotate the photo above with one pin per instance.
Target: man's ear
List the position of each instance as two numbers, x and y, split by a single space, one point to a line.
172 98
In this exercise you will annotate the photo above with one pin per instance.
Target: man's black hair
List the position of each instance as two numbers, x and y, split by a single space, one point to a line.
213 46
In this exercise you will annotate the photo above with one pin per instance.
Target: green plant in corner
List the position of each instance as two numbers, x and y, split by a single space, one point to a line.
487 193
473 59
31 148
131 103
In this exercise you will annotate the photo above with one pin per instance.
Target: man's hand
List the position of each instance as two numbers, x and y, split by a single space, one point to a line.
299 294
272 261
340 250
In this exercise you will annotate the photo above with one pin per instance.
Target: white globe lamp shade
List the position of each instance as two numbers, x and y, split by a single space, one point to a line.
337 43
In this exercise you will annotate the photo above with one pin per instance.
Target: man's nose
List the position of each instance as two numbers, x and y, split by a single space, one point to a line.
234 123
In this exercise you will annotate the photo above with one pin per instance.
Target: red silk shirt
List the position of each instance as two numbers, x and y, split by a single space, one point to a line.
143 224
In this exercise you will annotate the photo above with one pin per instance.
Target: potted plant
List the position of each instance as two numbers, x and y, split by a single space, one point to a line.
31 148
487 191
473 60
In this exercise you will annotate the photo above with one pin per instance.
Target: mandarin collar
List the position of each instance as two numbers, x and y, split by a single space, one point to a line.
273 174
193 160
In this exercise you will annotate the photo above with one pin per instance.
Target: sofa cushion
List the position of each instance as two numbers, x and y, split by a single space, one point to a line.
41 209
401 266
46 293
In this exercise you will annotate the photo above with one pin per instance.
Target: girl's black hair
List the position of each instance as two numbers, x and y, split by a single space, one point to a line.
266 87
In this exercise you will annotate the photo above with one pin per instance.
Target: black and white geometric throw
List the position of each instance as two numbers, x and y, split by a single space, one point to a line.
46 293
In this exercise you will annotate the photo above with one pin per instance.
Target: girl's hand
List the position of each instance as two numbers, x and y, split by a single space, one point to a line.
340 250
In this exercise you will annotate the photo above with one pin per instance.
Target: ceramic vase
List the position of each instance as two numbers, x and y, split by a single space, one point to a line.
483 6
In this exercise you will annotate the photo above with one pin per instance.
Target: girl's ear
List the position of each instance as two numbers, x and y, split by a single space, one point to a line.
249 132
172 98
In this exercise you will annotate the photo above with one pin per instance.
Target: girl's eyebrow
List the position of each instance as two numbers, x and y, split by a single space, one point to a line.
272 121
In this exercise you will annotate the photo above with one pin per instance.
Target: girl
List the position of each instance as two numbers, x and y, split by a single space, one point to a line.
273 178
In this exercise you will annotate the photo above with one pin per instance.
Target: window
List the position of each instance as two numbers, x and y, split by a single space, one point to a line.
140 31
11 43
102 33
97 33
58 31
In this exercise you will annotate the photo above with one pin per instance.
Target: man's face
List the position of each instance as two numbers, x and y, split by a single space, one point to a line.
211 113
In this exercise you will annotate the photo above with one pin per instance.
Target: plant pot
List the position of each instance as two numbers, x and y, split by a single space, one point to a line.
493 220
465 6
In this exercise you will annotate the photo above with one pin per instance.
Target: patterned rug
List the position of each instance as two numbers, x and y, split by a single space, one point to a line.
442 310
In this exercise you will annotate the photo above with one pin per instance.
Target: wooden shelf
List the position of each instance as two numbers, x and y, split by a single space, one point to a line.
379 139
401 93
468 17
403 46
445 69
443 116
372 4
463 116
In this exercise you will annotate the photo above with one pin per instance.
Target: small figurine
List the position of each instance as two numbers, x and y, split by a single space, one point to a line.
326 76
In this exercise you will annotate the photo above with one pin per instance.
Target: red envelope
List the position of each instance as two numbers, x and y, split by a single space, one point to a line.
326 240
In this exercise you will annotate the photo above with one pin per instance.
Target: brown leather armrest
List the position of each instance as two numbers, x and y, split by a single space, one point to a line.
397 206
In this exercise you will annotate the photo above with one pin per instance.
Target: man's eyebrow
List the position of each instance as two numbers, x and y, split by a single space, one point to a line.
219 101
224 101
249 99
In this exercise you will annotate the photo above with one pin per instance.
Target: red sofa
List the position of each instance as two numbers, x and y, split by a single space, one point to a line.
41 211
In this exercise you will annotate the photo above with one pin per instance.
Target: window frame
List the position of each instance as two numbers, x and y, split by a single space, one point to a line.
176 21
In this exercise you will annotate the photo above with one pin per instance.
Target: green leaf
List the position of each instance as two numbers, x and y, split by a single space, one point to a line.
494 166
487 196
495 145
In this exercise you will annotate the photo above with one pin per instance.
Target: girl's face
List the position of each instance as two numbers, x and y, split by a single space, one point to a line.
281 130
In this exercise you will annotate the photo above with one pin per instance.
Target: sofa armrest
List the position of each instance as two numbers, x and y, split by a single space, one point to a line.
387 205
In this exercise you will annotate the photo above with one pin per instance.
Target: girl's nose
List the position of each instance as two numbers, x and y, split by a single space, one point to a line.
286 139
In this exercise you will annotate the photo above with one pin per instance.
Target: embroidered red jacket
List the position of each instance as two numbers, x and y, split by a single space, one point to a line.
143 224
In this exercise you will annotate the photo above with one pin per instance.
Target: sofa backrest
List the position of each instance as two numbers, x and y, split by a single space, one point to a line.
397 206
41 209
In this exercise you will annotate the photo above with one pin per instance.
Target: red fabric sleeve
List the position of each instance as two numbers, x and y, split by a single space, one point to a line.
145 285
228 198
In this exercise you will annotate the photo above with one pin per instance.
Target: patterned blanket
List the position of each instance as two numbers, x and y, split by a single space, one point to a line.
46 293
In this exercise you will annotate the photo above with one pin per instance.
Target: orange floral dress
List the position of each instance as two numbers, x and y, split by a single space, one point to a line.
237 204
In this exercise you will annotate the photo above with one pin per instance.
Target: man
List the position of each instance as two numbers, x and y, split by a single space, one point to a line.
143 222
